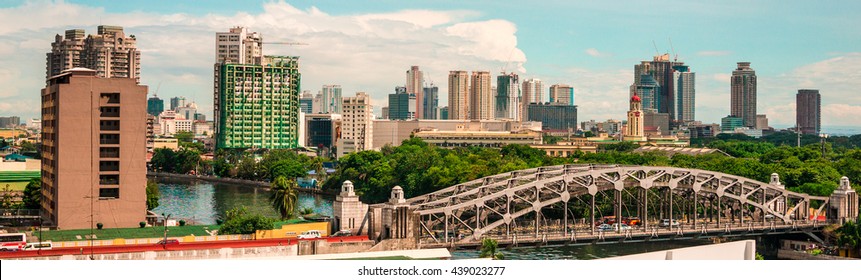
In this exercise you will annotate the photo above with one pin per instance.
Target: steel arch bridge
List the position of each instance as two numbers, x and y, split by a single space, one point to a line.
530 201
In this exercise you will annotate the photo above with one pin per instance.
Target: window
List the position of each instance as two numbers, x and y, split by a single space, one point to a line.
109 193
109 179
113 112
109 166
113 125
111 98
109 152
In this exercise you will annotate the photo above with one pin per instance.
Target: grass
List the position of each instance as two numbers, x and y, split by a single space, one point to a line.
129 233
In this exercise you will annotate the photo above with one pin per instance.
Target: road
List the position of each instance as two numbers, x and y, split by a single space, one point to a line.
172 247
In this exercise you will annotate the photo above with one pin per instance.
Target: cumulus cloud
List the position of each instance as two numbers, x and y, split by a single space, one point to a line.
364 52
713 53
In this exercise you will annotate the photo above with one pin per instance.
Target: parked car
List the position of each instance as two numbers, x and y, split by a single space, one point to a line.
624 227
310 234
168 242
667 223
605 227
340 233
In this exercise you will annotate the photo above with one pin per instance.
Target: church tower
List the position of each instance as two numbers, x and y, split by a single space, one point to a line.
634 130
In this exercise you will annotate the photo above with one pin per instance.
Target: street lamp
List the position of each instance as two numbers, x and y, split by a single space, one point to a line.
822 139
164 243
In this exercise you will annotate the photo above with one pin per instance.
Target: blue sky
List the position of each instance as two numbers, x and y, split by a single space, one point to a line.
367 45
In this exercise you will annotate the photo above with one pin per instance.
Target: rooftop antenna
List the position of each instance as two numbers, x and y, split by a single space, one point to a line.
675 55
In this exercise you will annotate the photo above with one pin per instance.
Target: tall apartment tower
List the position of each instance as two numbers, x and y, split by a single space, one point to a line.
480 96
458 95
402 105
660 68
93 150
332 100
808 116
743 94
562 93
685 93
431 102
237 46
306 103
260 107
176 102
357 125
154 105
649 91
110 53
533 92
507 97
414 83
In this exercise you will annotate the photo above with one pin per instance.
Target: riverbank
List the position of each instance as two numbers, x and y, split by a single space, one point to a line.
253 183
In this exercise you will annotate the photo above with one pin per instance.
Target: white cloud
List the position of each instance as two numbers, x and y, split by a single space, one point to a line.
722 77
714 53
364 52
593 52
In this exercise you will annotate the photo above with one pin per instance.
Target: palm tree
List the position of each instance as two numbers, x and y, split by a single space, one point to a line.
317 165
283 196
488 249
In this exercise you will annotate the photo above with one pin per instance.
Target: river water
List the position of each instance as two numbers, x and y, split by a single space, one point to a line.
202 202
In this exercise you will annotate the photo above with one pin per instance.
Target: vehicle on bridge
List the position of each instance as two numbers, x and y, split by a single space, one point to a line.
12 241
168 242
341 233
39 246
311 234
667 223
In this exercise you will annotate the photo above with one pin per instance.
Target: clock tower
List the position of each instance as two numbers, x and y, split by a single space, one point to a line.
634 130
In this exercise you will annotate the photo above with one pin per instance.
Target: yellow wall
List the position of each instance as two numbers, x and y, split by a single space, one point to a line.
293 230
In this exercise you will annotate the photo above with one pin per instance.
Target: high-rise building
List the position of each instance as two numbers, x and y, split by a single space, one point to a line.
93 146
808 111
154 105
685 93
730 123
562 93
660 68
177 102
762 122
186 112
414 83
507 97
554 116
110 53
533 92
317 104
332 100
458 95
649 92
431 102
357 125
238 46
635 130
402 105
306 102
480 96
743 102
443 113
261 107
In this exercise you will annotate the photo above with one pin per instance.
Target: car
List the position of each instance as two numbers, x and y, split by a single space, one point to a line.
624 227
168 242
769 216
667 223
605 227
310 234
341 233
38 246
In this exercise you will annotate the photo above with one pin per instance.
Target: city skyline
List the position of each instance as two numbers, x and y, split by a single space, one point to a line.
472 36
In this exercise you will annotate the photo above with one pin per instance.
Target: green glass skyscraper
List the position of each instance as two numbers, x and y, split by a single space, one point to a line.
259 104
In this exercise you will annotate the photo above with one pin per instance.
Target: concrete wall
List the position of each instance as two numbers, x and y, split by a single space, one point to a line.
223 253
293 230
739 250
316 247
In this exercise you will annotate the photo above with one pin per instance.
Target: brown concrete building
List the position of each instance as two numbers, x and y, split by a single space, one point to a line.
93 151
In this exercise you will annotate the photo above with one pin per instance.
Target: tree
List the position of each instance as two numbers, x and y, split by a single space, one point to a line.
287 168
33 194
183 136
849 235
26 146
152 195
237 221
588 134
488 249
6 201
163 160
284 196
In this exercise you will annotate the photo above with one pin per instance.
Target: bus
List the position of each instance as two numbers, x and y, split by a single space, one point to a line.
12 241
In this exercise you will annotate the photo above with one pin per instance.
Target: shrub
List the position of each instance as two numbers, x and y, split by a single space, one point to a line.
142 224
99 225
182 223
218 221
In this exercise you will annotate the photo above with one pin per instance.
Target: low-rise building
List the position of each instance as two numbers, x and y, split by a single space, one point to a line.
493 139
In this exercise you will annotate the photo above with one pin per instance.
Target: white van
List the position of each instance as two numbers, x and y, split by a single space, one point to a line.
310 234
38 246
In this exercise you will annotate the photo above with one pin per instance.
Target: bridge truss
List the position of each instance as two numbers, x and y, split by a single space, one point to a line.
577 198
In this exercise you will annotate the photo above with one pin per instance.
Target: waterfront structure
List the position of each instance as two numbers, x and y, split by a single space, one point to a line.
430 105
533 92
649 92
357 125
685 94
413 85
402 105
562 93
154 105
634 130
554 116
458 95
259 104
306 102
730 123
93 150
332 99
743 94
808 111
507 97
177 102
480 96
109 52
